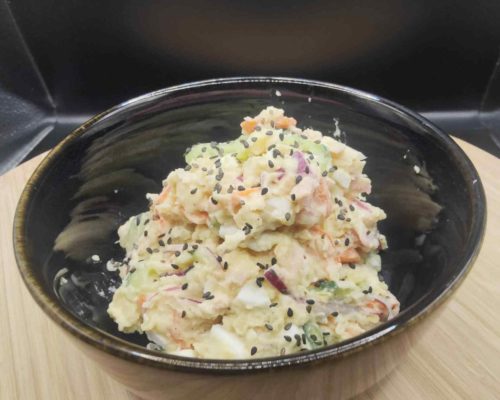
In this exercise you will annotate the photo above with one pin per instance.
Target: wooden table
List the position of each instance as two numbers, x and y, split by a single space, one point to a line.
459 358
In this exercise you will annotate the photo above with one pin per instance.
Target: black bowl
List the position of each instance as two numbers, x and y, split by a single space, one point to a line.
98 176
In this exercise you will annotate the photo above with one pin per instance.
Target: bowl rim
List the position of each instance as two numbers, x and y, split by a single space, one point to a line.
132 352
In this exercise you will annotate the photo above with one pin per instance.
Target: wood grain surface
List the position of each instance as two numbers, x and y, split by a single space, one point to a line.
458 358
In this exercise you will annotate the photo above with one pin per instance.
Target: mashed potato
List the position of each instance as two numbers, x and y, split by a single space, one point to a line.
261 246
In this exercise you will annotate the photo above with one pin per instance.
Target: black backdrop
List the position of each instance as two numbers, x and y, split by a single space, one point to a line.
429 55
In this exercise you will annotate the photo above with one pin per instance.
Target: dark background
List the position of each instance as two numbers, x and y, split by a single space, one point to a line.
62 61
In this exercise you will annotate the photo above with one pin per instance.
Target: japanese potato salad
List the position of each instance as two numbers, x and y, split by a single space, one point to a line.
261 246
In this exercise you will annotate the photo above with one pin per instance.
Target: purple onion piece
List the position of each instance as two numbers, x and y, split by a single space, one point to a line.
273 278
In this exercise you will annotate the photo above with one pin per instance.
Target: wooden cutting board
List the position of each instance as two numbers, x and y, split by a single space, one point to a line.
459 358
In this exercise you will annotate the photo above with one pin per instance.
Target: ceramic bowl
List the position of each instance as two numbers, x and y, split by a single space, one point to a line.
98 176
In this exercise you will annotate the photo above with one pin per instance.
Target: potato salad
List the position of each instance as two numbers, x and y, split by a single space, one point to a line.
261 246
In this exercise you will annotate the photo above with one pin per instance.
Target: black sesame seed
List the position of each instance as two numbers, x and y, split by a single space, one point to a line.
304 338
204 169
245 144
261 266
352 266
291 152
314 338
293 196
253 350
298 339
288 216
269 148
241 188
230 189
162 235
219 176
184 286
269 327
177 253
219 258
326 333
254 139
271 164
225 266
145 233
214 202
281 136
351 207
184 246
298 179
259 281
273 305
174 266
203 149
169 240
194 191
341 217
277 153
183 314
269 133
217 163
242 202
273 261
187 168
346 241
288 326
289 312
324 173
188 269
306 169
308 309
287 338
149 250
264 191
161 243
348 219
217 187
366 291
137 220
310 301
194 246
258 128
335 314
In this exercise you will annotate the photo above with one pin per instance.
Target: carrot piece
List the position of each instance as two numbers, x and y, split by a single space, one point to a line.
379 309
163 195
248 126
246 192
285 122
141 299
349 256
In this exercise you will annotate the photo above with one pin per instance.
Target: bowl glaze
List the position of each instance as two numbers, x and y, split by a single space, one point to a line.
98 176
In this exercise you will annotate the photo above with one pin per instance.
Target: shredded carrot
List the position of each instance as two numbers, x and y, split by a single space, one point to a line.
349 256
163 195
248 126
141 299
379 308
285 122
246 192
320 231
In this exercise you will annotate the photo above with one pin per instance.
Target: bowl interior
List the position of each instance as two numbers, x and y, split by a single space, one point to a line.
99 178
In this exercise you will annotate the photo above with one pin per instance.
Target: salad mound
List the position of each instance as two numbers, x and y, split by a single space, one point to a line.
260 246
